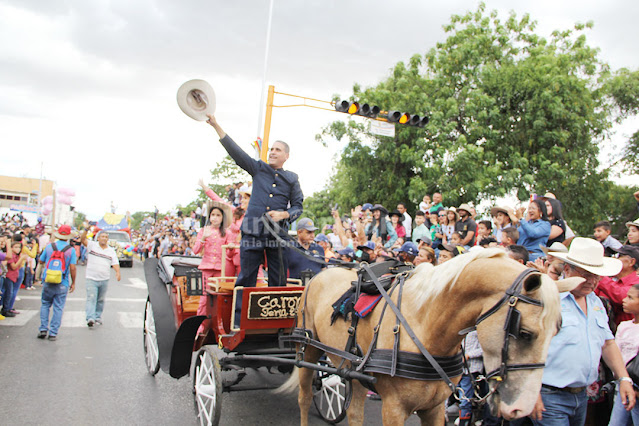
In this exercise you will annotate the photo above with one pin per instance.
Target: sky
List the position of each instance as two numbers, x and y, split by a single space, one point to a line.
88 88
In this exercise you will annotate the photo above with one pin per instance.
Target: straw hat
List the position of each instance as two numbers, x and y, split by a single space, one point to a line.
465 207
245 189
635 223
228 212
588 254
505 210
555 247
196 99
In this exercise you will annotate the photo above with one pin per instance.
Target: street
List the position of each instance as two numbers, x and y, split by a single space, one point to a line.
98 376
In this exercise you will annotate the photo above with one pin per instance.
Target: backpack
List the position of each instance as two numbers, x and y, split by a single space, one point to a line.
56 266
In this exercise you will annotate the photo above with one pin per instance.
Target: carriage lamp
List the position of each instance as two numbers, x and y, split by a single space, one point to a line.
194 282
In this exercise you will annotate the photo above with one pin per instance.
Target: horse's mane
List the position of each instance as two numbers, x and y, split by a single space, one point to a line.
430 281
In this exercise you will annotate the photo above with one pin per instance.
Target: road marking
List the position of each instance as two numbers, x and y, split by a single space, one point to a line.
81 299
75 319
21 319
137 283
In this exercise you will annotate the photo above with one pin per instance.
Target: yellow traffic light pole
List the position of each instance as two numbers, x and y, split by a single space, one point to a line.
401 118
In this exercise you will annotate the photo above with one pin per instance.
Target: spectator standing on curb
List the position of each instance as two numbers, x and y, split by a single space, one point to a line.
100 259
55 295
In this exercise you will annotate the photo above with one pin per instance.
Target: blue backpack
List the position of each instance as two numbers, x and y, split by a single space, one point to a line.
56 266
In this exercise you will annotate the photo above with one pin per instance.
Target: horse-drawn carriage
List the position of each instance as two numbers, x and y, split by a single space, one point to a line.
266 314
515 310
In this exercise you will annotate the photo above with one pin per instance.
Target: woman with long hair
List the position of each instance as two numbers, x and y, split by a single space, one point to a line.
535 229
557 222
380 227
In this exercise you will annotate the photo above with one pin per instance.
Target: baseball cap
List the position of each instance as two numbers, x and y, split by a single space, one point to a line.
370 245
367 206
307 224
453 248
347 252
321 238
409 248
629 250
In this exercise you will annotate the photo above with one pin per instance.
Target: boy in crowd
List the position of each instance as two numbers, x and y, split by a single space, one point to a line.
602 234
509 236
420 228
484 230
518 253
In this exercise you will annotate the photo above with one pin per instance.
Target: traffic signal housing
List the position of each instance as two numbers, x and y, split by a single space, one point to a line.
373 111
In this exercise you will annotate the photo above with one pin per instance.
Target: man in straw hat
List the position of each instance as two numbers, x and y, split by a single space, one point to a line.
584 337
277 193
466 226
55 295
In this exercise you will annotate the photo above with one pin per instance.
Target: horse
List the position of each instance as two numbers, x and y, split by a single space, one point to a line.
439 302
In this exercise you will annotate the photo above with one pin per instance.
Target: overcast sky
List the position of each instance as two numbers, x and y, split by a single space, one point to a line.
88 87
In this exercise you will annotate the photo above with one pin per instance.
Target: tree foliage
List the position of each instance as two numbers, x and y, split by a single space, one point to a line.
511 113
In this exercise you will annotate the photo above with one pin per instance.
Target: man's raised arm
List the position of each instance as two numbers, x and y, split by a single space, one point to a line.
240 157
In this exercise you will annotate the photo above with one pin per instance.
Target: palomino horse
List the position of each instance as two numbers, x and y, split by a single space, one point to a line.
439 302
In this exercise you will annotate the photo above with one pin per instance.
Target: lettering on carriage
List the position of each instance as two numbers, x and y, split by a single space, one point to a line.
273 305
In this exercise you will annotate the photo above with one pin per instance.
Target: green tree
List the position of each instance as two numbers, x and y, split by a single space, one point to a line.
226 172
510 113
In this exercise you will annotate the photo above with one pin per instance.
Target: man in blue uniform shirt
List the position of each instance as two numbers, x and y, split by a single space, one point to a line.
276 192
297 263
574 353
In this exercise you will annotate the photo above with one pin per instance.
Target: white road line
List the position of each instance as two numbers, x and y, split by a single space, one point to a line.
81 299
74 319
137 283
21 319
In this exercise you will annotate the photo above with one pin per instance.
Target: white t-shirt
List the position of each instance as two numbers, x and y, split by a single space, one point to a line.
627 339
99 261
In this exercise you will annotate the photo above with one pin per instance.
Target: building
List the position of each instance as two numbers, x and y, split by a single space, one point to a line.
21 194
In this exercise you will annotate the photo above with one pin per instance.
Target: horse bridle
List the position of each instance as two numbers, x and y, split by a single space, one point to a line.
511 325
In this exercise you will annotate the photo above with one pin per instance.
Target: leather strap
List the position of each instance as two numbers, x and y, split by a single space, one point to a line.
410 331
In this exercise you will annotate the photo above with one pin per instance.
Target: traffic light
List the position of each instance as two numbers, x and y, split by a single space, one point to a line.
405 118
365 110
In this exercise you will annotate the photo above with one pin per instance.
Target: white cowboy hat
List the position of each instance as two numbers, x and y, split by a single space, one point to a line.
245 189
196 98
555 247
588 254
635 224
505 210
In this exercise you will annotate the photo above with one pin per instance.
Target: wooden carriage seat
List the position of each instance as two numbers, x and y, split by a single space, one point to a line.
189 303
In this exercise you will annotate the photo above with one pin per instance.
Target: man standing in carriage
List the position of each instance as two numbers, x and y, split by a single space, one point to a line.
277 193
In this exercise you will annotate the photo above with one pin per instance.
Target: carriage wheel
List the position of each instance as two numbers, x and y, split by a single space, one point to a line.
331 395
207 385
151 351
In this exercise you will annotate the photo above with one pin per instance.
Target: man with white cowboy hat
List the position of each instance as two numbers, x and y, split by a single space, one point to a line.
55 295
584 337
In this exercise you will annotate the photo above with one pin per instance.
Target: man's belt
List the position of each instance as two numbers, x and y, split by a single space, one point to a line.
566 389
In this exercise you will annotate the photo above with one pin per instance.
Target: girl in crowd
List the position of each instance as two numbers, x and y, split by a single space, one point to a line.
380 227
451 219
232 265
627 339
633 232
396 220
535 230
209 242
557 222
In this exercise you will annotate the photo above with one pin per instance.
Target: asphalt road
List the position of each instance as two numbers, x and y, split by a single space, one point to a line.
98 376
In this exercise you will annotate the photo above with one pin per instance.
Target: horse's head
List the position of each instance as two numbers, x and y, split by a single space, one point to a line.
529 328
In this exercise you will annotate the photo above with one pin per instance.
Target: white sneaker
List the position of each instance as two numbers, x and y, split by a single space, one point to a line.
18 299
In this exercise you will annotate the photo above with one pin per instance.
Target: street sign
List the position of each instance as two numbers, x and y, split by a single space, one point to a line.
381 128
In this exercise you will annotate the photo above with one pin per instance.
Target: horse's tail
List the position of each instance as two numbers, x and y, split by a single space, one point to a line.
291 384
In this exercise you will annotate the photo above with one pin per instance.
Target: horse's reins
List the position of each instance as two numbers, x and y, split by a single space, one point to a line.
275 230
512 295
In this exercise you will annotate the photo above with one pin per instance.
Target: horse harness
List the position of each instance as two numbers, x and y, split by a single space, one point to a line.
423 365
